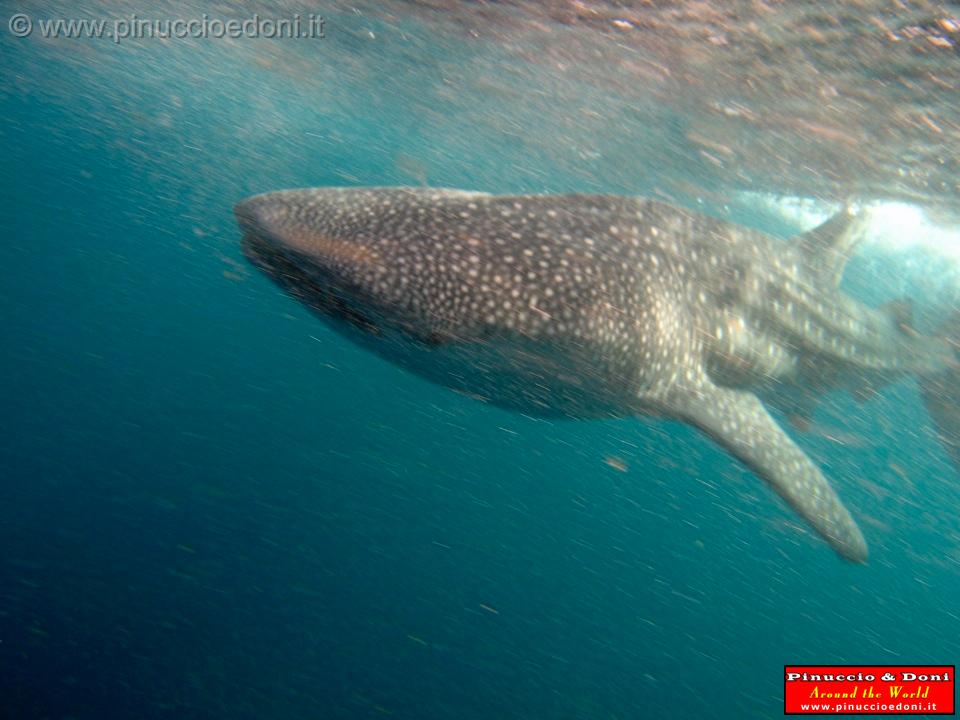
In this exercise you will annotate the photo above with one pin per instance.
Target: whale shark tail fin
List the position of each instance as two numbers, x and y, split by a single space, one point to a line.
941 392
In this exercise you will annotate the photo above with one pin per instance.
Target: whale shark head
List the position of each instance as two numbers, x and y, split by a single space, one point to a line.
314 248
372 260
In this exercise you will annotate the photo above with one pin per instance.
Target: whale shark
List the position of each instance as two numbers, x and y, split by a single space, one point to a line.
594 306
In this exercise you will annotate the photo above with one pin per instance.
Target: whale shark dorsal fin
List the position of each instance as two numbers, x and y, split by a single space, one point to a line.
829 245
738 421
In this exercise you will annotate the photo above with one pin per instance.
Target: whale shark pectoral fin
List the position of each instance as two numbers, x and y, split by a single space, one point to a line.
829 245
739 422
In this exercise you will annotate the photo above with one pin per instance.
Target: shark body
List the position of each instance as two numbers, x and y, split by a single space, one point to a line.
588 306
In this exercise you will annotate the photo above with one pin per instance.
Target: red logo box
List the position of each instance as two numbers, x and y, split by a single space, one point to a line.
868 689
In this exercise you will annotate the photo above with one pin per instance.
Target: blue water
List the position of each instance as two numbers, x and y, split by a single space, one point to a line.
213 507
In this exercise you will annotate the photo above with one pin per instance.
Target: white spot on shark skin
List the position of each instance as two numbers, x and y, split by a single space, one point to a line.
536 304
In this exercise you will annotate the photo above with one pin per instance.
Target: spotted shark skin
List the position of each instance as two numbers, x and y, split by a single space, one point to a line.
591 306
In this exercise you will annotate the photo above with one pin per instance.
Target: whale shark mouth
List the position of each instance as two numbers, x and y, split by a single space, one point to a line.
310 288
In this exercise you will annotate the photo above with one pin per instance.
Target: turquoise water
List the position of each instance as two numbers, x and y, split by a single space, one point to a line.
214 507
